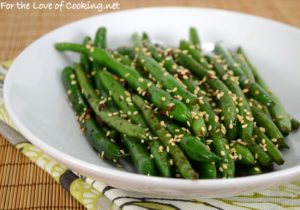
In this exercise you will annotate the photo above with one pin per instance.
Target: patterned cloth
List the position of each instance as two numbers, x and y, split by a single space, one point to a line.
97 195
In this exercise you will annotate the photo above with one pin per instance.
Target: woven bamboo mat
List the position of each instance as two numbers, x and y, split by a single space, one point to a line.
22 184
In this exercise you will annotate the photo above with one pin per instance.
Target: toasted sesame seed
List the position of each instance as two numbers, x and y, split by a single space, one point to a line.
168 135
262 129
274 140
209 127
188 123
256 169
171 162
240 157
162 123
222 153
245 126
209 141
161 148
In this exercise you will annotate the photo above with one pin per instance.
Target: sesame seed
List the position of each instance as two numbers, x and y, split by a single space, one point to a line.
127 75
163 98
240 157
171 162
162 123
274 140
188 123
209 141
168 135
222 153
262 129
245 126
246 90
73 82
161 149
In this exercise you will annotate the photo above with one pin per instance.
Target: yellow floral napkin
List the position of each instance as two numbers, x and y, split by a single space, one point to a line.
96 195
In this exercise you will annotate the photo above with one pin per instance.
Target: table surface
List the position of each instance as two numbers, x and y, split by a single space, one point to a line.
32 188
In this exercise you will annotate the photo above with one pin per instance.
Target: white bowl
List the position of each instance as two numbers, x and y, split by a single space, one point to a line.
36 100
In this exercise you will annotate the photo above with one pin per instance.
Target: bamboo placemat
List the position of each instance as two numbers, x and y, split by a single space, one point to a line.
22 184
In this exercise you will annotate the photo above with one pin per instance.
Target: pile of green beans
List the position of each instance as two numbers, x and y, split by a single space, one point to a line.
176 112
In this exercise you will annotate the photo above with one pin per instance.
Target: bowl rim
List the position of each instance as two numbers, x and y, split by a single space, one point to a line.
114 174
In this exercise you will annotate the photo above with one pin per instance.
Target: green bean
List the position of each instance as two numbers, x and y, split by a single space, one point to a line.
121 125
271 149
194 38
161 158
295 123
161 98
221 148
140 156
171 66
193 147
267 124
145 37
100 38
245 116
206 170
198 125
277 111
124 59
95 135
126 50
216 131
262 157
172 85
84 59
243 65
255 90
178 156
123 99
244 154
254 170
195 53
225 101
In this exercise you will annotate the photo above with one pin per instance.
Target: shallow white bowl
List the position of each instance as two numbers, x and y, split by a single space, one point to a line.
36 100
